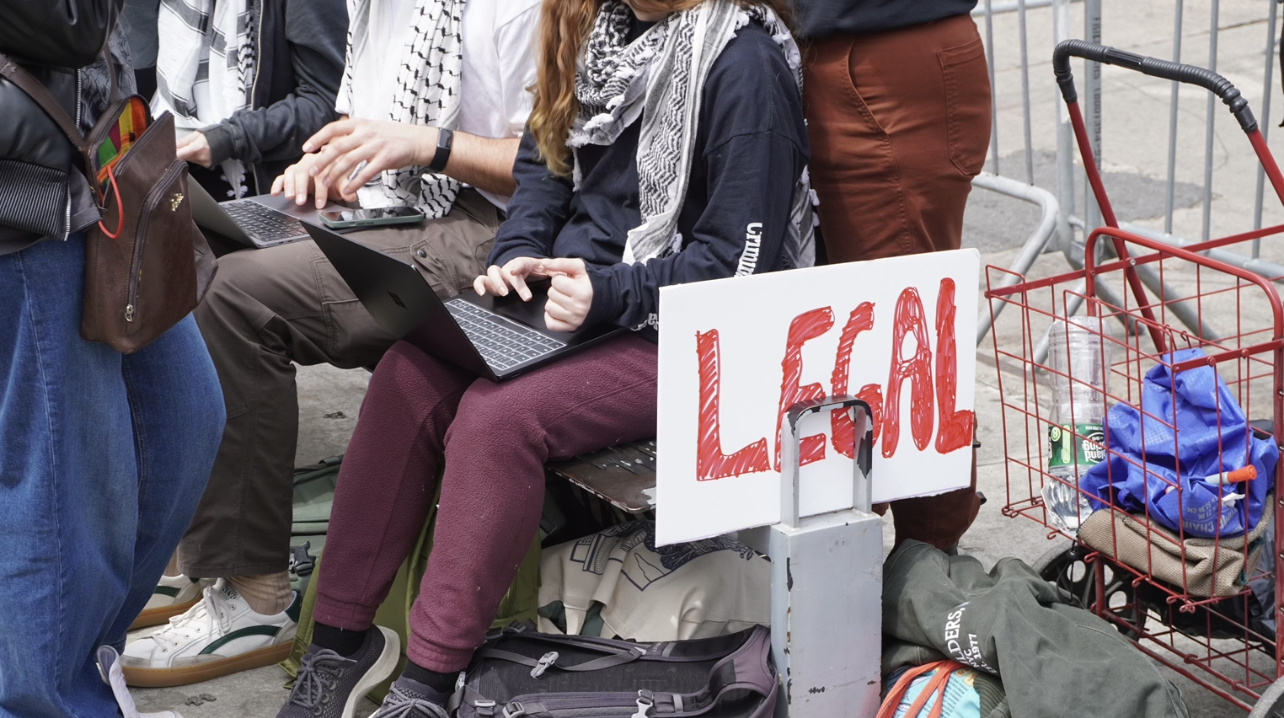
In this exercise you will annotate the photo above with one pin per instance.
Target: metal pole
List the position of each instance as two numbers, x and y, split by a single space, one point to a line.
1210 120
1267 92
1025 94
1092 103
1065 140
1172 123
994 94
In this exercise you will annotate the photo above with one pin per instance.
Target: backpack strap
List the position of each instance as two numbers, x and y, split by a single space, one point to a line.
549 660
15 73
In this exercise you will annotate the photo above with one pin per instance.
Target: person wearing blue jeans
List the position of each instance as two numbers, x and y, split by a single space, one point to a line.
103 456
103 459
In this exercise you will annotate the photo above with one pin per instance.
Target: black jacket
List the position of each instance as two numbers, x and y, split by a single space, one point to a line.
819 19
751 147
300 65
52 39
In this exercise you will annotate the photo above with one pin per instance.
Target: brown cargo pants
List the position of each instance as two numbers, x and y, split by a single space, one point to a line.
899 123
267 310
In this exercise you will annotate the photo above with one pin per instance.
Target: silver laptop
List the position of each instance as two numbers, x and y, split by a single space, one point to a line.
263 221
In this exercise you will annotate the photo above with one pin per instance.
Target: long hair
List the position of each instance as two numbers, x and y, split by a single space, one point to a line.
564 26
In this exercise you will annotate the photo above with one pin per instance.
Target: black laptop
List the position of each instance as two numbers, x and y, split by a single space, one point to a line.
494 337
250 221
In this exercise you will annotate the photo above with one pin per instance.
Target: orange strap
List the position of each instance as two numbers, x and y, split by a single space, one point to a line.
120 207
935 686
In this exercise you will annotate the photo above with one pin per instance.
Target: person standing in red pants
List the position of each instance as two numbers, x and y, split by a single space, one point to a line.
897 100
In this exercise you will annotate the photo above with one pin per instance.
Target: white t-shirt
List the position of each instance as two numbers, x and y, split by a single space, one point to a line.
498 67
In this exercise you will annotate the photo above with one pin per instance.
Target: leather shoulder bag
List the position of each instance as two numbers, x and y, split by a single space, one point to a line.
146 264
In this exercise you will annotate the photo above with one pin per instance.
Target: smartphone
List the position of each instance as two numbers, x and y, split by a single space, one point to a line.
354 218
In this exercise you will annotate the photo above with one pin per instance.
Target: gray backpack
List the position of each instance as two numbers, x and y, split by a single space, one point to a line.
520 672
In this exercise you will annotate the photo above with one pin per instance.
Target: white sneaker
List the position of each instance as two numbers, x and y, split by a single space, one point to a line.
173 595
219 636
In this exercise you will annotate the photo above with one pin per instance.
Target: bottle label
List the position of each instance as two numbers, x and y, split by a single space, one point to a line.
1086 440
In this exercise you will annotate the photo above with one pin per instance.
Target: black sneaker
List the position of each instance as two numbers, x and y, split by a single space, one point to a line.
330 686
412 699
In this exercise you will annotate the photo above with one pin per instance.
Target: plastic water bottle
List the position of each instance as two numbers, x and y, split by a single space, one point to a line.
1079 356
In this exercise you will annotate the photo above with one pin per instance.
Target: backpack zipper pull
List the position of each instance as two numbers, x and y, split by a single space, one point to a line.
129 312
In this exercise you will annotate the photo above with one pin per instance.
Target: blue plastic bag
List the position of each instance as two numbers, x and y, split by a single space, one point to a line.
1196 398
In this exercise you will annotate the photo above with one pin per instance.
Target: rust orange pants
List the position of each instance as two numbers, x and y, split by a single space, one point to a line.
899 123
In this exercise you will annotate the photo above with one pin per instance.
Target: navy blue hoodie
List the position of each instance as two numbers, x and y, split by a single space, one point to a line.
751 147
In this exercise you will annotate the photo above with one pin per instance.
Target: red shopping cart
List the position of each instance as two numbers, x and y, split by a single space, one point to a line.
1204 603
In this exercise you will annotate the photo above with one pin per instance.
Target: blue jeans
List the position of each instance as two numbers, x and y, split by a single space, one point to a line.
103 458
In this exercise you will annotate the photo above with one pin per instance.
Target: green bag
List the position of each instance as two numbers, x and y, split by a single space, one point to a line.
313 499
519 604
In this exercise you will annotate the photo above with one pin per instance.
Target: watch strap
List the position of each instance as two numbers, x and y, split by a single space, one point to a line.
445 139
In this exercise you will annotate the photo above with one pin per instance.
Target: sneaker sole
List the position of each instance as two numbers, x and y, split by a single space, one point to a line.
187 675
380 671
161 614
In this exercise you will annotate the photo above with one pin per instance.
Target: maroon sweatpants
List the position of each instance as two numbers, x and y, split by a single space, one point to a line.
495 439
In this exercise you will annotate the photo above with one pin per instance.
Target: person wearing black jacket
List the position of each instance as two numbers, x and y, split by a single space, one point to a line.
103 456
898 111
293 65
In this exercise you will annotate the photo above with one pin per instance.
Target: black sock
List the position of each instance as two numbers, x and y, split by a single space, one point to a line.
440 682
345 643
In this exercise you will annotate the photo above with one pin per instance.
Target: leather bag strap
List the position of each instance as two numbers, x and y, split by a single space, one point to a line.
13 72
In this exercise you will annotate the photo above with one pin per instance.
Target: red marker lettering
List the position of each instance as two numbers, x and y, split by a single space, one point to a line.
955 427
803 328
861 319
711 463
918 369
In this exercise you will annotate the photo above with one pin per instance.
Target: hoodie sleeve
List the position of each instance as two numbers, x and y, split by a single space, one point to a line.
537 211
316 31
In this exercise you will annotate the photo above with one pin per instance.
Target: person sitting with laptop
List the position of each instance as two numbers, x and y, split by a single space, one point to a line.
649 166
247 81
415 70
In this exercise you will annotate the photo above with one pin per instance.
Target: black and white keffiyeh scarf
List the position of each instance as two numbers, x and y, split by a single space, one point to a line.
204 42
660 78
427 93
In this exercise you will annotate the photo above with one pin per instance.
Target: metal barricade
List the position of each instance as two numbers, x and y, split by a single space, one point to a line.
1051 218
1085 216
1065 218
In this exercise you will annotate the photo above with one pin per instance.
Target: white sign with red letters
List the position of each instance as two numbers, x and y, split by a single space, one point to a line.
736 354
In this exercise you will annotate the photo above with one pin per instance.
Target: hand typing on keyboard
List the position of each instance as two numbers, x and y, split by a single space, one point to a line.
569 297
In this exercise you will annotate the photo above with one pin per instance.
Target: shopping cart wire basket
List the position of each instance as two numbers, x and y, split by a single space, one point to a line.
1205 603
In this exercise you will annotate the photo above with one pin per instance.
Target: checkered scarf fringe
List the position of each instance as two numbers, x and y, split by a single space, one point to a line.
427 93
660 78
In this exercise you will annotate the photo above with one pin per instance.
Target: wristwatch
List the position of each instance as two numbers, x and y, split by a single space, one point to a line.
445 138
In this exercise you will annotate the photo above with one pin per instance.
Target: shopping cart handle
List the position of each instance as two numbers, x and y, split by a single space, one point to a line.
1152 66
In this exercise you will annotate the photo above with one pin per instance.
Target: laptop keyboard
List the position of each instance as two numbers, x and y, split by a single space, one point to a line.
261 223
502 343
